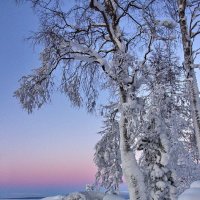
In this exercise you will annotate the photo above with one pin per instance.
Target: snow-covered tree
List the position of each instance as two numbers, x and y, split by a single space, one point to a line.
156 144
190 30
91 47
187 14
107 156
168 124
164 128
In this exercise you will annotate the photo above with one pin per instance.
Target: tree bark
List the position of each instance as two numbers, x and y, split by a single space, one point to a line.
191 76
133 176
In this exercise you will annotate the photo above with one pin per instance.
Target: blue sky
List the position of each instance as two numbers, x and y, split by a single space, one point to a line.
50 150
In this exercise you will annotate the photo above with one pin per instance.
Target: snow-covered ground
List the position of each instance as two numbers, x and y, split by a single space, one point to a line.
193 193
86 196
59 197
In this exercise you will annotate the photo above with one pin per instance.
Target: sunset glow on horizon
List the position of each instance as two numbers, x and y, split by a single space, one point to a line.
52 148
48 174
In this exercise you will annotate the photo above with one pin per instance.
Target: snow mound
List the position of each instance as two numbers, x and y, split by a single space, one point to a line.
112 197
75 196
59 197
91 195
88 195
190 194
195 184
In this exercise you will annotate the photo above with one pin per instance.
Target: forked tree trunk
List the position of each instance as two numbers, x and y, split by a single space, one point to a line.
133 176
189 63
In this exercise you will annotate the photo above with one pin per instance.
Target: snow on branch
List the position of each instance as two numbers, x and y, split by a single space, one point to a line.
167 23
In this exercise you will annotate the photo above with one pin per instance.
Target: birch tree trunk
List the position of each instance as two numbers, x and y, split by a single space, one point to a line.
188 64
133 176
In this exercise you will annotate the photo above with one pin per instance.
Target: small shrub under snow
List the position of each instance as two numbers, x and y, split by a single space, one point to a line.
112 197
75 196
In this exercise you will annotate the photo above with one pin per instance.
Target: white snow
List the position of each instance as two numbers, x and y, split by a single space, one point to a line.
59 197
75 196
195 65
195 184
112 197
161 185
190 194
72 196
85 196
168 24
193 193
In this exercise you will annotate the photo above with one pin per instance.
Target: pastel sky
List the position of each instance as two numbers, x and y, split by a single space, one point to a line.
47 152
50 151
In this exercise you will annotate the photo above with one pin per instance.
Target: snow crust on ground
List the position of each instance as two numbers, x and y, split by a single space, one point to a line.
90 195
195 184
193 193
190 194
85 196
59 197
75 196
112 197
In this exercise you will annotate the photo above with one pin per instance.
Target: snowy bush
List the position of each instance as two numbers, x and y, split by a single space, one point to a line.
112 197
89 187
75 196
93 195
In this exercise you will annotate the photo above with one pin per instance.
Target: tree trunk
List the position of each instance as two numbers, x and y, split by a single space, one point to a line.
188 64
195 105
133 176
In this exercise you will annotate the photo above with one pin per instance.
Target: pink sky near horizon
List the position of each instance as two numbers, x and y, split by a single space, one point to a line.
54 146
56 174
56 153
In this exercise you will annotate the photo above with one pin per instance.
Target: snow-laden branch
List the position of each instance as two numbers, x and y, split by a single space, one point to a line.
114 34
